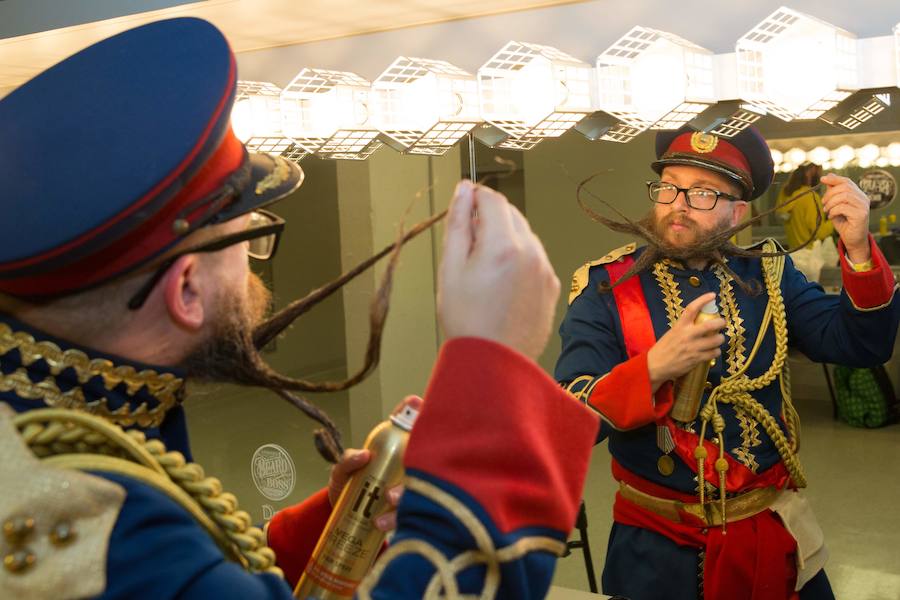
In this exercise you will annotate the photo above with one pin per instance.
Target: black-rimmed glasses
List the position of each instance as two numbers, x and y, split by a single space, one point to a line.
262 232
663 192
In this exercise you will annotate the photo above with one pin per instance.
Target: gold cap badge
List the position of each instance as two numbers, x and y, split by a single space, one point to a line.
704 142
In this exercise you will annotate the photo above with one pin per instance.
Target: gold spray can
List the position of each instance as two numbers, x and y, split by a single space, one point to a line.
689 387
350 542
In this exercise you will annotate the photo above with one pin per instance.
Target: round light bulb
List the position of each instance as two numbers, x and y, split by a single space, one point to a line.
796 156
777 157
242 120
893 151
819 155
868 154
843 155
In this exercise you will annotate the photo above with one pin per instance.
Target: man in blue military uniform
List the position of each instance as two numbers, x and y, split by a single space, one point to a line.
733 469
130 211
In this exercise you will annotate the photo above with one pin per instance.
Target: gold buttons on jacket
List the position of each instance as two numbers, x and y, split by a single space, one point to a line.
694 281
17 530
18 561
62 533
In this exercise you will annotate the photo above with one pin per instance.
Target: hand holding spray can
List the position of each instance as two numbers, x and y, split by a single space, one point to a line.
350 542
689 387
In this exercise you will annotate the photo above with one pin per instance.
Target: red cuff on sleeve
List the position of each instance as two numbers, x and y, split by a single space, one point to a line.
294 532
498 427
624 398
868 289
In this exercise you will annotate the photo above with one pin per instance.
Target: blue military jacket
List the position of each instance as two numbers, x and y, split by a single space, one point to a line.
466 490
825 327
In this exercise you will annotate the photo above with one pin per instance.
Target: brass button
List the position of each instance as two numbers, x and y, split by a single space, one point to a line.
694 280
181 227
707 386
19 560
62 533
17 530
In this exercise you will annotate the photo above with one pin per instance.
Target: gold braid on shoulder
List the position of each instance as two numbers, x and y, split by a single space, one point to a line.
76 440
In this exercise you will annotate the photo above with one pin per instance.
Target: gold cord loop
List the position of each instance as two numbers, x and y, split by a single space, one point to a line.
443 583
736 387
73 439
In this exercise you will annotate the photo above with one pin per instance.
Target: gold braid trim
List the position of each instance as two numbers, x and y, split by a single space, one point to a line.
749 439
671 293
162 386
443 583
734 322
73 439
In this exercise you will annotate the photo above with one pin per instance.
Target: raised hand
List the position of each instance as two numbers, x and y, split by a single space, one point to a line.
848 208
685 345
495 280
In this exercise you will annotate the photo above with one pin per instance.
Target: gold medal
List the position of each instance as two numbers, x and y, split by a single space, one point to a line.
665 465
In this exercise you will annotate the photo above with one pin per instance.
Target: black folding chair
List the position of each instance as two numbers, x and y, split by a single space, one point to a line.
582 544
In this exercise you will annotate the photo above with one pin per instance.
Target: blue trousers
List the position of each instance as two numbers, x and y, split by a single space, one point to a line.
644 565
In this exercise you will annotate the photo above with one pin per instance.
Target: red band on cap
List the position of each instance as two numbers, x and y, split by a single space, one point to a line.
140 244
723 152
146 198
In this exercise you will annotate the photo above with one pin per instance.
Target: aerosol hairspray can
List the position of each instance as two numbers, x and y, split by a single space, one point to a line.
689 387
351 541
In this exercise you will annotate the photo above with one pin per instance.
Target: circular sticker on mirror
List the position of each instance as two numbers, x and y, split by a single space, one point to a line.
273 471
880 186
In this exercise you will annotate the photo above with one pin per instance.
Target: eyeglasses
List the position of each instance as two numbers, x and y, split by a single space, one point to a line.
262 234
697 198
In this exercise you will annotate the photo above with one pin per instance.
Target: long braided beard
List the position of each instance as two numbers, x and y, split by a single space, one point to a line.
707 246
231 354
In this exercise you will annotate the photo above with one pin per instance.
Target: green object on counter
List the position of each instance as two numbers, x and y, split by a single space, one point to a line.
865 397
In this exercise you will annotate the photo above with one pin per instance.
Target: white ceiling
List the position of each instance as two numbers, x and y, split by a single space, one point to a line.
248 24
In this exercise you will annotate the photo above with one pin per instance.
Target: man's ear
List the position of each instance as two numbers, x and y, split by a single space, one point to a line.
739 212
182 292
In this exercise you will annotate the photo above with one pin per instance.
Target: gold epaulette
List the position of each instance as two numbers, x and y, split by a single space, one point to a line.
56 523
582 274
67 441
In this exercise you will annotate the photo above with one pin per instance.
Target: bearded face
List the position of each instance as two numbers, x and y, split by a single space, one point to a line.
230 342
681 230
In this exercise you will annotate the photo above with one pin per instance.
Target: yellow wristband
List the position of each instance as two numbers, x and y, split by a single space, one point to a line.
861 267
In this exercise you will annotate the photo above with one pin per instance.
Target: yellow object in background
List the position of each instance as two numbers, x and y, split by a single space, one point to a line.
801 216
883 223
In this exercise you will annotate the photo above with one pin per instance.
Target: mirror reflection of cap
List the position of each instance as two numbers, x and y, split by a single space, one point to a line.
744 158
113 155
